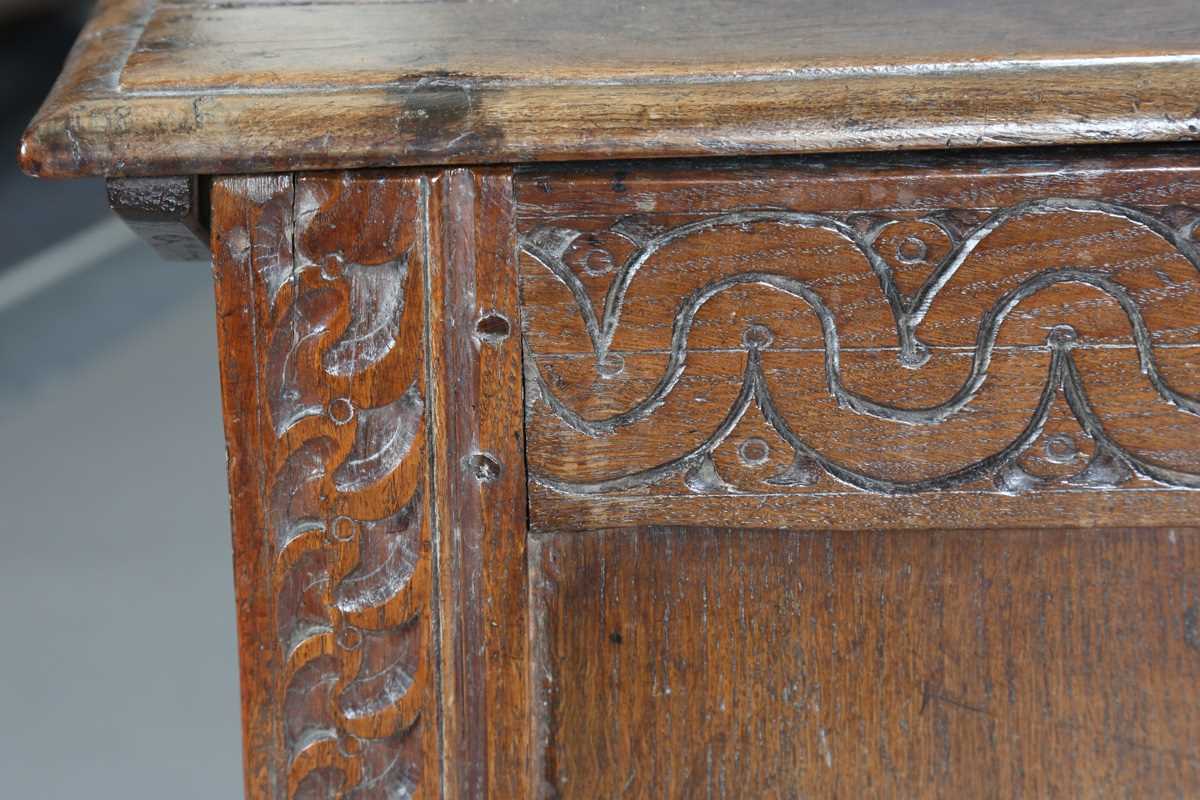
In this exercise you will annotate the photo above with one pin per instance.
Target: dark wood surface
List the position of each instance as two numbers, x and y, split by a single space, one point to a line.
250 212
321 294
965 340
170 214
362 316
727 664
195 87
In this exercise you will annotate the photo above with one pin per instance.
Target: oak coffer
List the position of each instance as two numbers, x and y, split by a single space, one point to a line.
687 398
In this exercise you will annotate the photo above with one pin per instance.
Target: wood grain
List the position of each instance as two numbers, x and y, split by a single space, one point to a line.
177 88
736 663
321 285
198 45
245 430
858 342
476 353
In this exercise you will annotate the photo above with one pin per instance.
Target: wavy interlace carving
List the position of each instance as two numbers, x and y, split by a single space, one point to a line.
348 514
1110 465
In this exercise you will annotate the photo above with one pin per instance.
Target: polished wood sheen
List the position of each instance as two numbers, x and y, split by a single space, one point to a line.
406 629
160 87
966 340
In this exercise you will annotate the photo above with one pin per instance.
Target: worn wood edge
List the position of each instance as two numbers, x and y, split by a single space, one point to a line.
100 131
959 163
236 330
824 511
91 70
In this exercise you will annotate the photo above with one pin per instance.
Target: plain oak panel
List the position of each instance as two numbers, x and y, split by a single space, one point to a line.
738 663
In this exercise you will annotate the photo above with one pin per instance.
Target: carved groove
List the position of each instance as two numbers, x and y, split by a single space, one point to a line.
1111 466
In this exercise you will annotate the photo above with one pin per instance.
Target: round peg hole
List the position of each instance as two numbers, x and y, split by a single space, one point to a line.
493 327
598 262
343 529
341 411
349 638
485 468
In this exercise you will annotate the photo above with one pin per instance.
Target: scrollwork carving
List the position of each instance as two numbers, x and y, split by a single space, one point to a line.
638 402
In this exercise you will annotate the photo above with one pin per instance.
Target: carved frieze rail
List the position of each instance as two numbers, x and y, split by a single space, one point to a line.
851 344
339 564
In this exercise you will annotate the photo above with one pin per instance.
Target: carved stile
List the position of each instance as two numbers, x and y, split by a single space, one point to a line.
364 315
327 280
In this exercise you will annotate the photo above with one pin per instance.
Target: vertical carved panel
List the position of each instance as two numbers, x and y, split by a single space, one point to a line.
321 286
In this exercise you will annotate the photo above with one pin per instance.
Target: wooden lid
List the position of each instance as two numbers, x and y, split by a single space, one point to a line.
270 85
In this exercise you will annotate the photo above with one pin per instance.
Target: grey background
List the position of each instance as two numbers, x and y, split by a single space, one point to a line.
118 666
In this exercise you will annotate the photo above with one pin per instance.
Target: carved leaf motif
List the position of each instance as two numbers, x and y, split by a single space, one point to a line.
272 249
376 308
385 675
389 769
320 784
394 781
1013 479
311 197
388 553
295 506
803 471
300 609
308 706
384 437
550 241
704 478
294 343
1105 471
348 599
